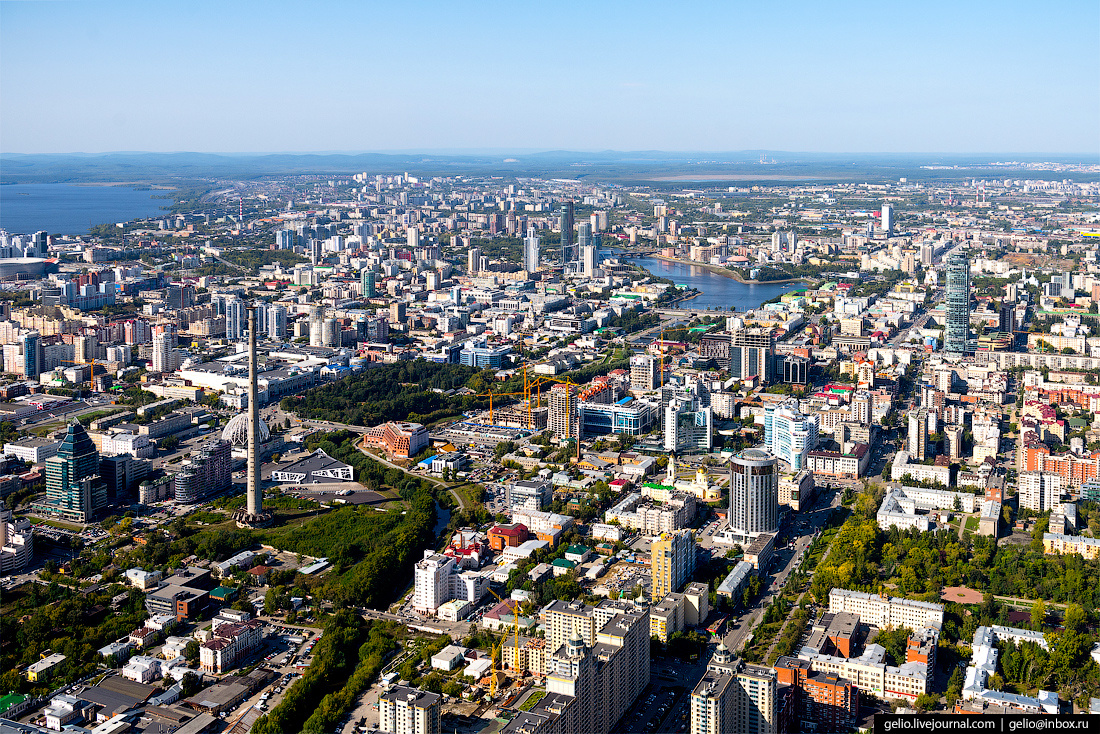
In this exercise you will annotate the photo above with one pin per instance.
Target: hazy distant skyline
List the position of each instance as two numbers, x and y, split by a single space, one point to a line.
348 76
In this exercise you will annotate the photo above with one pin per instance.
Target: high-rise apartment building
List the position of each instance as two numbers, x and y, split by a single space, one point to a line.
1040 490
276 322
73 489
473 260
733 696
789 434
235 323
531 252
590 257
645 372
918 435
673 562
206 473
954 436
597 664
754 494
165 358
404 710
563 419
957 327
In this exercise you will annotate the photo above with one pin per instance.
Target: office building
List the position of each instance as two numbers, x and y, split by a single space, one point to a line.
207 473
673 562
733 696
629 416
73 488
404 710
751 353
478 353
796 369
590 257
645 372
584 238
564 419
529 494
567 252
754 494
917 445
888 220
531 252
957 327
688 427
367 283
879 610
789 434
32 363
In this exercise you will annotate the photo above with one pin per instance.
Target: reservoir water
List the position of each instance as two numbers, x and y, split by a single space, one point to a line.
68 209
716 291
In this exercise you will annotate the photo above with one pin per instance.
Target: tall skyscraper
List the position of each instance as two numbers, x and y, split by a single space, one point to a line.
673 562
584 239
234 319
789 434
73 489
957 328
32 365
276 322
888 220
567 232
366 277
688 425
164 356
473 260
754 494
590 255
531 252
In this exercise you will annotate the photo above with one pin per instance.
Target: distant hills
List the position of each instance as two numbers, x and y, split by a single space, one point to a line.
650 167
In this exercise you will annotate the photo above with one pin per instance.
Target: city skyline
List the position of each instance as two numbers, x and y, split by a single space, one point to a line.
247 78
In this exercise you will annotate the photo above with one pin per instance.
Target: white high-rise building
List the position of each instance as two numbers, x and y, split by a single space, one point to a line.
754 494
473 260
276 322
917 444
531 252
888 220
590 255
688 427
404 710
789 434
235 322
432 582
165 358
413 238
645 372
1040 490
733 696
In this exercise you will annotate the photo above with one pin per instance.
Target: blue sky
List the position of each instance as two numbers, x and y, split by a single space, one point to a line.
228 76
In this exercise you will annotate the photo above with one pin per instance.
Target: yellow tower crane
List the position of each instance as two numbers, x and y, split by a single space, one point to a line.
515 627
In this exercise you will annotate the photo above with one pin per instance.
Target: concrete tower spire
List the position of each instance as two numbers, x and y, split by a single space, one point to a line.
253 515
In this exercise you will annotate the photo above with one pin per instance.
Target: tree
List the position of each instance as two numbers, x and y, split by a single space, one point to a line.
1075 618
954 685
1038 613
191 652
925 702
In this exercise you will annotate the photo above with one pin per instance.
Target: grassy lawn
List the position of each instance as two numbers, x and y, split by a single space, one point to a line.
57 524
532 700
971 524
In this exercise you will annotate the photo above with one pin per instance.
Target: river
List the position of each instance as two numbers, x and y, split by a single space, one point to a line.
68 209
715 291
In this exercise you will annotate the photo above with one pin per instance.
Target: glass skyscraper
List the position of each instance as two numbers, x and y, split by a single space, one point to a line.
958 304
73 487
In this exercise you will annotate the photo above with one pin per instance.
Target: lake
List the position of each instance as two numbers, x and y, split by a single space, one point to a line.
716 291
68 209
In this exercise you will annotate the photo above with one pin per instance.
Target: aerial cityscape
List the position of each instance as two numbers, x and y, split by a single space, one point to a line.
493 426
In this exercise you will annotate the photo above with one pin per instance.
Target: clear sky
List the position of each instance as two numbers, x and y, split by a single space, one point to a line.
229 76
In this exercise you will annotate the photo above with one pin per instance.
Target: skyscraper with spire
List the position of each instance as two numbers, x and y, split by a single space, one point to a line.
74 491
